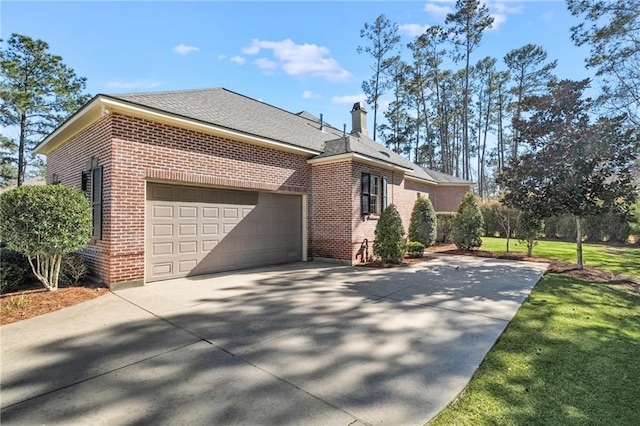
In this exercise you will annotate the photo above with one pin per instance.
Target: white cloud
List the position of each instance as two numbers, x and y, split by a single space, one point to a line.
265 64
238 59
301 60
183 49
222 57
412 30
307 94
499 10
349 99
134 84
438 12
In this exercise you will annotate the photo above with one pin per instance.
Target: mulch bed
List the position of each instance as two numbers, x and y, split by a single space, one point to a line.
405 262
29 303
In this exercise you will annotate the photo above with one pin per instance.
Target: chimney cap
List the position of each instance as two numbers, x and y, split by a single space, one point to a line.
358 106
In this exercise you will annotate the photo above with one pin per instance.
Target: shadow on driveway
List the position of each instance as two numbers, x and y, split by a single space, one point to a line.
296 344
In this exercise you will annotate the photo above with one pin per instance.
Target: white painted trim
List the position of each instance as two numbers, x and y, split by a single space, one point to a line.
430 182
305 227
353 156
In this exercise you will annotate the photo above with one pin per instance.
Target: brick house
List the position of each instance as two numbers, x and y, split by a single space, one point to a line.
191 182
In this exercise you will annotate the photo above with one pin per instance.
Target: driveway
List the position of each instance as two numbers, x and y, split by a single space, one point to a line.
306 343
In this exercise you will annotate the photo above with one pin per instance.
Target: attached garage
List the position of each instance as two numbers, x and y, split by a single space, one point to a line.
195 230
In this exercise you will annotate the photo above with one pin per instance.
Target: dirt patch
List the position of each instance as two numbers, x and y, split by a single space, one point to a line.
31 303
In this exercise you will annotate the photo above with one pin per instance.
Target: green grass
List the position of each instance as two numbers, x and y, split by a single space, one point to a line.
619 260
569 357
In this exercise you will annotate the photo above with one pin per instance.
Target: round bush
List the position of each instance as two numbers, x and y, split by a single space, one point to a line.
44 223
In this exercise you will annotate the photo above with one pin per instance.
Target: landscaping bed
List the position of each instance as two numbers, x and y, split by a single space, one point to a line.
26 304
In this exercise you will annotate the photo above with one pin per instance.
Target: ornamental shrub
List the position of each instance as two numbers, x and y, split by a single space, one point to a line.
444 228
467 226
415 249
73 269
389 244
44 223
422 226
15 271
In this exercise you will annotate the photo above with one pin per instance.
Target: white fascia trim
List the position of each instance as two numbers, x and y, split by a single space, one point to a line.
70 122
357 157
430 182
139 110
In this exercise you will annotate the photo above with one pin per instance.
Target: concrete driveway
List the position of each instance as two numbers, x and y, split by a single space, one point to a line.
308 343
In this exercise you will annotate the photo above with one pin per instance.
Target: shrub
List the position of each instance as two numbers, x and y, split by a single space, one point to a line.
528 229
444 226
44 223
14 270
73 269
415 249
467 225
422 226
389 244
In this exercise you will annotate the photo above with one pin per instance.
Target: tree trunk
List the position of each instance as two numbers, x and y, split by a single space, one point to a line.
579 242
22 163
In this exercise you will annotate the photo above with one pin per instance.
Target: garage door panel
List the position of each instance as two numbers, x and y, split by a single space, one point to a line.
162 249
202 230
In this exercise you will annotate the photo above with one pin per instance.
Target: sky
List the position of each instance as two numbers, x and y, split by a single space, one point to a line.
296 55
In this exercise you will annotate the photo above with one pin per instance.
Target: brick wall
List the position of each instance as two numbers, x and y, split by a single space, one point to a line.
134 151
330 233
68 162
147 150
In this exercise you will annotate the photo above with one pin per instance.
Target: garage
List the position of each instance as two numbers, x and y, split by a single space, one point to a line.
195 230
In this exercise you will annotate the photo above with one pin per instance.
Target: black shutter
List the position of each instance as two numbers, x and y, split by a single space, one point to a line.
384 193
84 181
366 193
96 201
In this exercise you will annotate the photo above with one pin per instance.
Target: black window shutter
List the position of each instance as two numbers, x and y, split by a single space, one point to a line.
84 181
96 201
384 193
366 193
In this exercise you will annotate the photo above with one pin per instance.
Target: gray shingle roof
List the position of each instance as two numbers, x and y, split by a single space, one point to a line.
230 110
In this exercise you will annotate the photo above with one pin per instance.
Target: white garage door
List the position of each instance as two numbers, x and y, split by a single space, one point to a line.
193 230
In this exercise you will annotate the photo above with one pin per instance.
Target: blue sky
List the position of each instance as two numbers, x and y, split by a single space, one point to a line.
297 55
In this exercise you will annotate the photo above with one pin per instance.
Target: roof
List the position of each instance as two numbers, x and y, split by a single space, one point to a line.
231 111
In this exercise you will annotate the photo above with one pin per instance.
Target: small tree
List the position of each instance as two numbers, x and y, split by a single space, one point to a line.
467 225
45 223
389 243
422 227
528 229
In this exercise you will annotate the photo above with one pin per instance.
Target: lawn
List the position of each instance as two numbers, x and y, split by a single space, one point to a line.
619 260
569 357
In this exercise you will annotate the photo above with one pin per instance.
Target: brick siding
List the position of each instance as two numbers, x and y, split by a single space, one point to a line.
134 151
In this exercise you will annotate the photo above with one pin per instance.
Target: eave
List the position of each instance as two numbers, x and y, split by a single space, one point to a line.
353 156
103 104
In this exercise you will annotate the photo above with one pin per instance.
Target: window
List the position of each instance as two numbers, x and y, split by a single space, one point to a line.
374 194
96 201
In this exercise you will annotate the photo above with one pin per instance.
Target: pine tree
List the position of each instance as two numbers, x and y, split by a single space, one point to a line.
37 92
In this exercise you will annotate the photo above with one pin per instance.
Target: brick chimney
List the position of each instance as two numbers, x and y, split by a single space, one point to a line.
359 119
